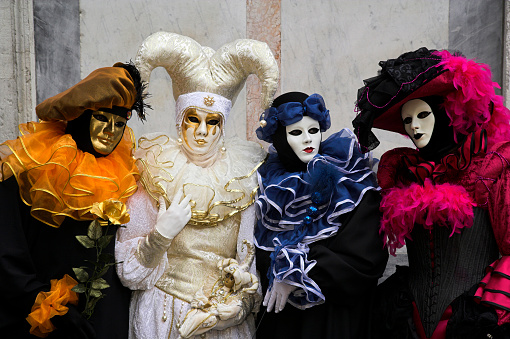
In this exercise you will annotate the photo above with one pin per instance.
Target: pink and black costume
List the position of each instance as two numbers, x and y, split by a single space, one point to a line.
447 202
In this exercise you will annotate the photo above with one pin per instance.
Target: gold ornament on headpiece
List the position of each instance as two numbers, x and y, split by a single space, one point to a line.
208 101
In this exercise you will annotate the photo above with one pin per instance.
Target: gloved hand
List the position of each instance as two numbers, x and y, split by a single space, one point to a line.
172 220
72 325
277 296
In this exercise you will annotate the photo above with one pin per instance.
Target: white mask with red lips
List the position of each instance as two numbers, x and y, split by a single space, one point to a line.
304 138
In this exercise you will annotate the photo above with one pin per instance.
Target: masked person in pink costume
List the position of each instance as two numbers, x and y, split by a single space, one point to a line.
447 200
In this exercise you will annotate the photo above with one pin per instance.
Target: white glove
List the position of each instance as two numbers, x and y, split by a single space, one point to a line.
172 220
277 296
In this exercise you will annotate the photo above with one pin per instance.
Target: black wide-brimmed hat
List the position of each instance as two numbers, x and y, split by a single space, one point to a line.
466 86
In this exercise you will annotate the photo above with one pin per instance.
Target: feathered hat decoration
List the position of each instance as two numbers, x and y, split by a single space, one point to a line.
466 86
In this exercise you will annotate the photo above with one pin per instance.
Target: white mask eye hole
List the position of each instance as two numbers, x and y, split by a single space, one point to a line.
304 138
424 114
418 120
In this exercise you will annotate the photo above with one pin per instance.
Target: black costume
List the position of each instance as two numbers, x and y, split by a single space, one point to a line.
32 253
348 266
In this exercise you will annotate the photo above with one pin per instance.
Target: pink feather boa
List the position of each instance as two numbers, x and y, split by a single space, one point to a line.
402 208
469 106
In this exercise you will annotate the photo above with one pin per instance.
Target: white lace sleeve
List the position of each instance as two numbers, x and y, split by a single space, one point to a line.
246 231
131 271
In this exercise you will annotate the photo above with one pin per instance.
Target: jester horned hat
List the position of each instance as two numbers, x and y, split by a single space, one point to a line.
207 79
466 87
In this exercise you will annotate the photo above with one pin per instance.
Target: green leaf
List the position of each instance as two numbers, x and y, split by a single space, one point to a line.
81 274
85 241
106 257
95 293
94 231
103 271
104 241
80 288
100 284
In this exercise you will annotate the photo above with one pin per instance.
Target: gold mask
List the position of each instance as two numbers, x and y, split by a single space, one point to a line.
106 131
201 130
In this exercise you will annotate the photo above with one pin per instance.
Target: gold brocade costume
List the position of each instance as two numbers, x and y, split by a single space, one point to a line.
58 180
218 193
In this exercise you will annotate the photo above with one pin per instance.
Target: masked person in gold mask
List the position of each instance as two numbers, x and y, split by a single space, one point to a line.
180 261
52 178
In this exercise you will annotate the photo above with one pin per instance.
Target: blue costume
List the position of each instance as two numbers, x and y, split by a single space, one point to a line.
317 229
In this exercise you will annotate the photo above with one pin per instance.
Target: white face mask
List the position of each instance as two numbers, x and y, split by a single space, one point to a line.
304 137
201 131
418 121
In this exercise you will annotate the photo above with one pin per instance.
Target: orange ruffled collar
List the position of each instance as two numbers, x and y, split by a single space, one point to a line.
58 180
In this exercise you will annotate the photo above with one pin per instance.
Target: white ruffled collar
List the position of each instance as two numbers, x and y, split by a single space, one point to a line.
218 191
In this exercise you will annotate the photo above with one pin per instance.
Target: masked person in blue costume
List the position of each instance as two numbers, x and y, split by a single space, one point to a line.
318 246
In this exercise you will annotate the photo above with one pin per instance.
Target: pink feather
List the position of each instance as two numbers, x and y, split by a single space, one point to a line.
444 205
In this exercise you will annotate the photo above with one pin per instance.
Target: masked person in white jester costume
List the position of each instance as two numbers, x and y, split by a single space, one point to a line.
170 255
51 176
319 249
446 200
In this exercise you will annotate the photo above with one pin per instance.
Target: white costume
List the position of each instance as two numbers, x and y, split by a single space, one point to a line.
165 273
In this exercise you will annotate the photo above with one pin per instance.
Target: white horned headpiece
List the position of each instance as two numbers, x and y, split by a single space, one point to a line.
204 78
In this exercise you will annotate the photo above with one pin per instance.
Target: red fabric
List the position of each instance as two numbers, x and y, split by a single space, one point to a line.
474 144
494 287
487 181
440 331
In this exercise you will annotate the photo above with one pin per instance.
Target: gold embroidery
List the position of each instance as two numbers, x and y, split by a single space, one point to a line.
208 101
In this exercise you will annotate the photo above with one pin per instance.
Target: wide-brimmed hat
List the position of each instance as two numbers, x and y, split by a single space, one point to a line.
466 86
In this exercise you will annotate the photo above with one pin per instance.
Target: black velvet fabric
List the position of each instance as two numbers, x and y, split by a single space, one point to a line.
393 316
33 253
471 320
348 267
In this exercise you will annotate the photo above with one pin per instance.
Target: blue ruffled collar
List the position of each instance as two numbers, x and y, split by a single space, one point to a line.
295 209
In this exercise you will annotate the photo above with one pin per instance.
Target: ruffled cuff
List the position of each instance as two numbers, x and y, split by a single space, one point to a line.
494 289
49 304
291 267
151 249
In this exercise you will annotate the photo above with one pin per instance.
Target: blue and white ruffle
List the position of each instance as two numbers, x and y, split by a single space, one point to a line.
290 216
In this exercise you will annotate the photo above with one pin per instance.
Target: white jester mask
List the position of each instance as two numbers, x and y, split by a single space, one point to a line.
418 121
201 131
304 137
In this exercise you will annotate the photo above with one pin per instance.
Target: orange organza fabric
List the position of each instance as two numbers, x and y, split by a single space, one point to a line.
58 180
49 304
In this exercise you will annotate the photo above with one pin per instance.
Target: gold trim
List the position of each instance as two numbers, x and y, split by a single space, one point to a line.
153 186
26 183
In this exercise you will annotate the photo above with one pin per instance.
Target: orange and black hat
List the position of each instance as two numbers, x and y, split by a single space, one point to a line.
116 89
